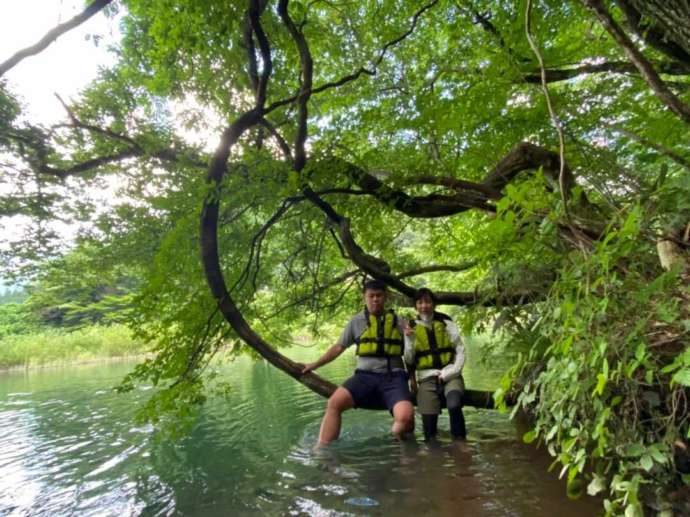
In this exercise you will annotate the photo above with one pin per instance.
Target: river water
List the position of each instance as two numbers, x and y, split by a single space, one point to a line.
68 446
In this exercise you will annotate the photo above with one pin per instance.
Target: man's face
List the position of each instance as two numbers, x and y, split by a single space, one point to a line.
375 300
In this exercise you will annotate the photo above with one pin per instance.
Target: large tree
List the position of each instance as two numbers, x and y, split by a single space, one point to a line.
529 162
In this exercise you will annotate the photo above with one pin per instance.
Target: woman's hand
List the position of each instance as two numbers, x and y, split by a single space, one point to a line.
408 329
413 386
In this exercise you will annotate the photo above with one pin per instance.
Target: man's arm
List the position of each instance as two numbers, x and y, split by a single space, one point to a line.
326 358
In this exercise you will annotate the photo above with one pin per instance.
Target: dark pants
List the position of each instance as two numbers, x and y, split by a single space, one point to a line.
373 390
453 402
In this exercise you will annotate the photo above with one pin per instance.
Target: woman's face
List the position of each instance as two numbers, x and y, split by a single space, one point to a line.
424 306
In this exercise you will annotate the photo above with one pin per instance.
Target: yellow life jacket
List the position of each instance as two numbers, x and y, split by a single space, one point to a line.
381 338
432 347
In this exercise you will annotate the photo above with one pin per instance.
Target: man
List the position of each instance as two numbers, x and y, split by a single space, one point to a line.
380 379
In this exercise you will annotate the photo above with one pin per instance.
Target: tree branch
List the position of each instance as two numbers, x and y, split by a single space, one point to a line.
655 35
361 71
553 75
53 34
524 156
457 184
436 268
650 75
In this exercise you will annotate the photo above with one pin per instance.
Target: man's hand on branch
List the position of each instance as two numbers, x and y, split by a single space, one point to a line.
309 367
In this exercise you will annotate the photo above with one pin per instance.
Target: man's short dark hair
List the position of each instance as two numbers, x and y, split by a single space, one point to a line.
373 285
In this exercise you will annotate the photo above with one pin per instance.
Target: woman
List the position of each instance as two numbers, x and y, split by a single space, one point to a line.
434 350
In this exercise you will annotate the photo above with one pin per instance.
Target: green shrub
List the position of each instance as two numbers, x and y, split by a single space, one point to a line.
50 346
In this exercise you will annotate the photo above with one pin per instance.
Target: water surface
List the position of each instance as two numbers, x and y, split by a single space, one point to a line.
68 446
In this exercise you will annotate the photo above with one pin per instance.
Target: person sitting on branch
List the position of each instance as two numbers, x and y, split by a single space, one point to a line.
434 349
380 380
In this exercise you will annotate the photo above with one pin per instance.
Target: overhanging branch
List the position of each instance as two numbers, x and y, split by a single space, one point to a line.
53 34
660 89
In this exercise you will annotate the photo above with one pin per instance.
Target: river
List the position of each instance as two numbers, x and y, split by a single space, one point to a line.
69 446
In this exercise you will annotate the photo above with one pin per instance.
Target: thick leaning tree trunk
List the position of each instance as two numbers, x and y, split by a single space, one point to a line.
672 16
216 281
217 170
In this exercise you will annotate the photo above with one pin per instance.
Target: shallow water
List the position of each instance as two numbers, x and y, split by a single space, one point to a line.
68 446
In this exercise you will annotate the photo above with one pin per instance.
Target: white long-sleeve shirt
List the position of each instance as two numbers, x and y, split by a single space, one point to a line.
448 372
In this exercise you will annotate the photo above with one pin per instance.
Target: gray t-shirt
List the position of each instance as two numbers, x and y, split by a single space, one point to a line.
355 328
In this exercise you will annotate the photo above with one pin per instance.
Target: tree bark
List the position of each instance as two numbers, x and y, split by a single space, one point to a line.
669 30
647 71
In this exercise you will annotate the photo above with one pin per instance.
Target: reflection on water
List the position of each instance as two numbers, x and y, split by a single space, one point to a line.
68 446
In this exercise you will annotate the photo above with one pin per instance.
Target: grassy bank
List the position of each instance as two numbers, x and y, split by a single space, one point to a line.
58 346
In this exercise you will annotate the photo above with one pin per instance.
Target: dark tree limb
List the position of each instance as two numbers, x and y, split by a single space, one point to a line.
527 156
436 268
553 75
358 73
430 206
458 185
40 164
53 34
86 165
209 227
75 122
524 156
660 89
381 270
664 26
209 242
651 33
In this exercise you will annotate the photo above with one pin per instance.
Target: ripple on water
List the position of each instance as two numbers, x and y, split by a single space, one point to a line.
76 451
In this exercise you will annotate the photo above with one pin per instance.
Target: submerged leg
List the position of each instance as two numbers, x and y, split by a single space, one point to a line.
430 425
403 418
341 400
457 419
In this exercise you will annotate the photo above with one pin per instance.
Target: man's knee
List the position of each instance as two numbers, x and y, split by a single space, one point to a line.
340 400
403 412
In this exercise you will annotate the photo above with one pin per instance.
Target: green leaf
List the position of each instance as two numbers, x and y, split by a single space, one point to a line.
574 488
646 462
682 377
634 450
658 456
597 485
529 436
601 383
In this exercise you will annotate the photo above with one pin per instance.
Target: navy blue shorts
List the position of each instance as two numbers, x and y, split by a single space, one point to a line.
372 390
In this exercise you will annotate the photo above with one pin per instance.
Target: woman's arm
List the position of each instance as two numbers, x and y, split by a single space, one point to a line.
455 368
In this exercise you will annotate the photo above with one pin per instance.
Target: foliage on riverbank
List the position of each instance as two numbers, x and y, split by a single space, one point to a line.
51 346
606 369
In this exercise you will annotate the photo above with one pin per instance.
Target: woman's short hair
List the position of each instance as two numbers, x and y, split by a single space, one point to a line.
424 293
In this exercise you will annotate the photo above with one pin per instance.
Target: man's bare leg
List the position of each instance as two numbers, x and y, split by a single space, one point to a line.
403 419
339 401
